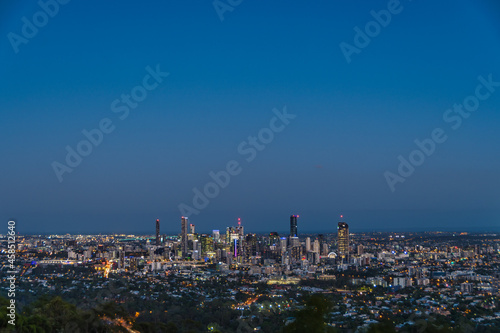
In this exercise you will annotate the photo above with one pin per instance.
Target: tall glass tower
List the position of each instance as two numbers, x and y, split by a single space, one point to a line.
184 238
157 232
343 241
293 225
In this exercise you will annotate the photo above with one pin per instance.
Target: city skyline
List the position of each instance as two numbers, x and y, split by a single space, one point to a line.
186 227
382 276
312 224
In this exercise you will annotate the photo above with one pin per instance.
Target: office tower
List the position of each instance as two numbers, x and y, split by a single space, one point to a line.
231 235
241 242
196 250
294 241
316 246
184 238
207 244
296 253
251 245
157 232
308 244
235 247
191 228
216 235
293 225
283 244
324 249
239 228
343 241
274 239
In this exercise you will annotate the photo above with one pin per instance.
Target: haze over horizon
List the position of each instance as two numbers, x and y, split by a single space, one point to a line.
306 225
351 120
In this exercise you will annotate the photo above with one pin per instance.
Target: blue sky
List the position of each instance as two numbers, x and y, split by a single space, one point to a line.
352 121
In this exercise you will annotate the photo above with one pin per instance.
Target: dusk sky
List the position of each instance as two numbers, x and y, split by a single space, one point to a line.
351 119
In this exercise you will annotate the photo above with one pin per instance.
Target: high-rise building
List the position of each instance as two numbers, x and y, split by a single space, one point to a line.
324 249
274 239
296 253
231 235
308 244
191 228
251 245
239 228
207 244
157 232
293 241
236 247
216 235
343 241
283 244
360 249
293 225
184 238
316 246
196 250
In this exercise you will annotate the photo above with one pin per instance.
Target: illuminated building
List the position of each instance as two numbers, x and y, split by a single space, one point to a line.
343 241
274 239
184 238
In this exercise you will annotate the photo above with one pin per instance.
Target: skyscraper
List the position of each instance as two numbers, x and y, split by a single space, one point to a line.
343 241
274 239
283 244
239 228
293 225
216 235
308 244
184 238
157 232
316 246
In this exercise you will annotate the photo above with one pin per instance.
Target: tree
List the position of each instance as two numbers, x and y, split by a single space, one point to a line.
382 327
312 318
